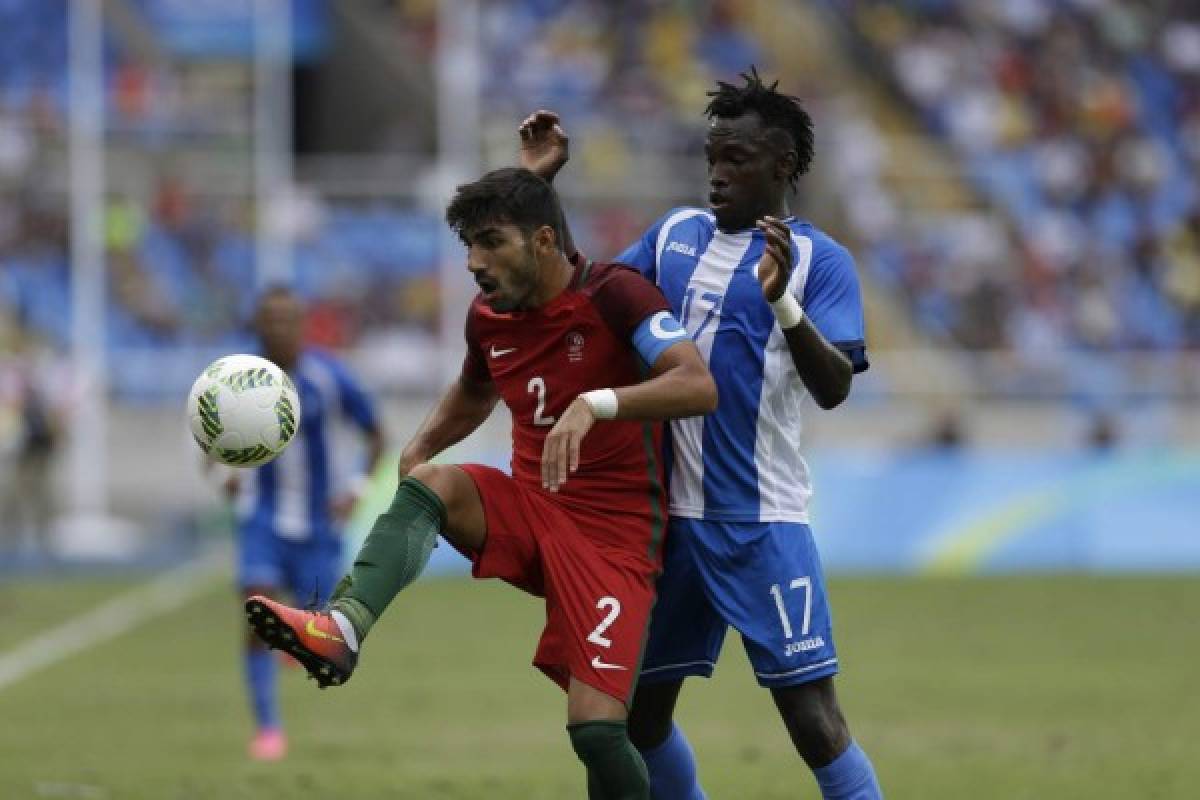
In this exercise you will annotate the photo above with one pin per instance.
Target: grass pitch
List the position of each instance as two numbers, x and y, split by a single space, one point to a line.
1001 688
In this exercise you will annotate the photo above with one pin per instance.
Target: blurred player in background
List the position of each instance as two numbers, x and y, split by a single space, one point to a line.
774 306
569 347
290 512
32 423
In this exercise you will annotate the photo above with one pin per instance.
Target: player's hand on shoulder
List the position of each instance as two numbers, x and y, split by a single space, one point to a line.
560 451
544 144
775 267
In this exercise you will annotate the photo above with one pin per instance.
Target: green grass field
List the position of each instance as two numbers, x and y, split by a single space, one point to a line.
992 688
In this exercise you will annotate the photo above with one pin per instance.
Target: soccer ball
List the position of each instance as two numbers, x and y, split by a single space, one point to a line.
243 410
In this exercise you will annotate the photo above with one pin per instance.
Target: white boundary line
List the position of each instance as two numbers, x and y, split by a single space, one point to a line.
160 596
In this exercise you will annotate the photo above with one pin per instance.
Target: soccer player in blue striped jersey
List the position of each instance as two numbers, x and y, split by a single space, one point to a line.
290 512
775 308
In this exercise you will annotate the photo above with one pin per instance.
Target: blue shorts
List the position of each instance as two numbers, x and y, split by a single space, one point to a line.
764 579
306 568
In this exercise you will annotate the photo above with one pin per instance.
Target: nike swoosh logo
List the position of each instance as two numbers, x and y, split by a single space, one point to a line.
312 630
497 353
598 664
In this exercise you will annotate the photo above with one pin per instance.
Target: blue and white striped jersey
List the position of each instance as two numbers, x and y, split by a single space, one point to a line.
742 463
290 497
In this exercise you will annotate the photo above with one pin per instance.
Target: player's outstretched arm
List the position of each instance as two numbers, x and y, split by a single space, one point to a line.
679 385
461 410
545 149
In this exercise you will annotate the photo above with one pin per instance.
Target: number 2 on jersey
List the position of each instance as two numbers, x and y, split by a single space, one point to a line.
538 385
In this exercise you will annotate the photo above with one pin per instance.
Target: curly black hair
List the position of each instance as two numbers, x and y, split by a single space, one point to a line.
776 109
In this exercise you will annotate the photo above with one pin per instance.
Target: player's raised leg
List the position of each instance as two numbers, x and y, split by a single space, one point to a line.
433 499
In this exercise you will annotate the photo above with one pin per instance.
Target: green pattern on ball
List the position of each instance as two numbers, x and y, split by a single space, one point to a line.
249 379
210 420
287 419
205 446
214 369
247 455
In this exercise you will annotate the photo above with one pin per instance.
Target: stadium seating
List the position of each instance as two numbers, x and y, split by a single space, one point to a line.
1099 236
1079 122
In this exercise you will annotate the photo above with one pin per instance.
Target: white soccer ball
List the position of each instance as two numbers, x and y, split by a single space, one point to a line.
243 410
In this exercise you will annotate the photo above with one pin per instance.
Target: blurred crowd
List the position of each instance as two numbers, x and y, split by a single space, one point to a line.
181 267
1080 121
603 63
629 78
179 259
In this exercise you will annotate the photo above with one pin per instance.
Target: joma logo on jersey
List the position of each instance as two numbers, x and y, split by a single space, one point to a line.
804 645
680 247
574 346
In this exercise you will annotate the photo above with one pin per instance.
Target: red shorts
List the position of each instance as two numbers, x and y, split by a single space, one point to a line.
598 597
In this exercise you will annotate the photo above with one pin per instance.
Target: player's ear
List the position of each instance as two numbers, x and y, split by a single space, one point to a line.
785 164
545 240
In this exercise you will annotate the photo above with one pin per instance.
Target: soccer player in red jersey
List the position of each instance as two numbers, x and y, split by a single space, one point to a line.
568 346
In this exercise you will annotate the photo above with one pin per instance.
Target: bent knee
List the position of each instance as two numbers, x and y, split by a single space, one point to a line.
427 473
465 524
444 480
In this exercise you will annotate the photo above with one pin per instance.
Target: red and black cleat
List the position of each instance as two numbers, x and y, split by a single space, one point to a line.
310 637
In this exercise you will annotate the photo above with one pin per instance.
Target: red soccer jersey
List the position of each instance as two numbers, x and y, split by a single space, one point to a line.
541 360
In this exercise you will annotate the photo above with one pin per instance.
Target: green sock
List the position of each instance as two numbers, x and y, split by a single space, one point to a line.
615 768
394 554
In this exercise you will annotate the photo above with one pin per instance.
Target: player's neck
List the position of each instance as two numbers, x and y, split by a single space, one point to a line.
555 278
781 211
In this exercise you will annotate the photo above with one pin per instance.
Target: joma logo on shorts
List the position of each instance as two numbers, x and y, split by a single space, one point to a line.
804 645
680 247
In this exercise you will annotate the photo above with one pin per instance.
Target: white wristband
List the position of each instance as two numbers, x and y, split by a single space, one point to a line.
788 311
603 403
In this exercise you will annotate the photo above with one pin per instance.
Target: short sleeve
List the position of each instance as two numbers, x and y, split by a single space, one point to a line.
642 254
624 299
833 301
656 334
474 363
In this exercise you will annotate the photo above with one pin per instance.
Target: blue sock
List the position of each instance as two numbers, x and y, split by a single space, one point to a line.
260 680
672 768
850 776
